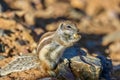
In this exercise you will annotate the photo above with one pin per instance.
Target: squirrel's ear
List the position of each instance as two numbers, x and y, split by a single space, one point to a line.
61 26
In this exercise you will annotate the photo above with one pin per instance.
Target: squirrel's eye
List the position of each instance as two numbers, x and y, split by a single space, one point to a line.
68 26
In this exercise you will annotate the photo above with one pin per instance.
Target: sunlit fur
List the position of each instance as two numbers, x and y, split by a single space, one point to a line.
52 44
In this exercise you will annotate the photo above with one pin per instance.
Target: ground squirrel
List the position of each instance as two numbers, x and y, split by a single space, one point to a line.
49 49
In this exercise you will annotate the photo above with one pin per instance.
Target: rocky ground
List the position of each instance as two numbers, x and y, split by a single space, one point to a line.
22 22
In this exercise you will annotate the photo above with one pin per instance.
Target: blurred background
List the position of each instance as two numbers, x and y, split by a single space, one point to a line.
22 22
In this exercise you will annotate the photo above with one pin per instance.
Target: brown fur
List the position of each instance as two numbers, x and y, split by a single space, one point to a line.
45 35
46 41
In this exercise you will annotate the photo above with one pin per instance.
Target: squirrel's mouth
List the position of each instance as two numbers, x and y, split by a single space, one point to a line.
75 37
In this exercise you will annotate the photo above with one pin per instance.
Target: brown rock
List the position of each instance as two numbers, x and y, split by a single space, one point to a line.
7 24
51 27
80 4
112 37
39 31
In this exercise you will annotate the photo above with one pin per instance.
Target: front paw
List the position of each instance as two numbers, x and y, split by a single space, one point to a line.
53 65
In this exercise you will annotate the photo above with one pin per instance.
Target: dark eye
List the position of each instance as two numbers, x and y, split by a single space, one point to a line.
68 26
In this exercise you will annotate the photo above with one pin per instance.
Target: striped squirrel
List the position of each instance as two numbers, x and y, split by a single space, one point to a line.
49 50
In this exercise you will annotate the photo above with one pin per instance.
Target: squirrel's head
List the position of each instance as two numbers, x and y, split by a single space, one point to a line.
68 32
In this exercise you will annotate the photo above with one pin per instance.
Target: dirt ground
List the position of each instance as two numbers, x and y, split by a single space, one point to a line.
22 22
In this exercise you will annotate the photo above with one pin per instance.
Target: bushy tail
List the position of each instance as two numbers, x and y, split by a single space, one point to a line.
20 63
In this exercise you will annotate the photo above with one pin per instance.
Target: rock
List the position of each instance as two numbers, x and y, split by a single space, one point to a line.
76 68
80 4
51 27
89 69
39 31
112 37
107 67
114 53
7 24
93 26
22 5
114 47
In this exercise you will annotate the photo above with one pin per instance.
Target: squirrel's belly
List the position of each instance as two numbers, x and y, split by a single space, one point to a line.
50 54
